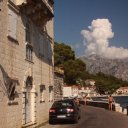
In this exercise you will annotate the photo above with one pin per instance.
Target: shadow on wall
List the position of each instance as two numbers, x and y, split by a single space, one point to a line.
7 84
40 42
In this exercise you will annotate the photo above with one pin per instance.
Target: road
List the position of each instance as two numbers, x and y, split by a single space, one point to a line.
93 117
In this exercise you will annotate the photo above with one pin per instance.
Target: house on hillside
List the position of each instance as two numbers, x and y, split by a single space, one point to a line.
67 91
78 91
70 91
75 90
26 62
122 91
90 82
87 91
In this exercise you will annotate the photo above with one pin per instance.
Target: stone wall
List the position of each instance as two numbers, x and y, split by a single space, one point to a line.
14 66
58 88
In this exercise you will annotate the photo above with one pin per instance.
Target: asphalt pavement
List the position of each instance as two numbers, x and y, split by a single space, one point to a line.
94 117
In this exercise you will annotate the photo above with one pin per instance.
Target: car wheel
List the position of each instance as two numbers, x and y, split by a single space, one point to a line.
51 122
76 120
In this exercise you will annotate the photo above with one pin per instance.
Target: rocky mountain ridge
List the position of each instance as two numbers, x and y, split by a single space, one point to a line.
114 67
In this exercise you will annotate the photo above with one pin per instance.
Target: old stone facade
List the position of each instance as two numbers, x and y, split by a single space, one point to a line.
58 83
26 62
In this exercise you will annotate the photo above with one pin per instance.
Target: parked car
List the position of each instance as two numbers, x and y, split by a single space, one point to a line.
65 109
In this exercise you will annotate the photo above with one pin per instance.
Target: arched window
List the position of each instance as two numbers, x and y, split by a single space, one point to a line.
29 82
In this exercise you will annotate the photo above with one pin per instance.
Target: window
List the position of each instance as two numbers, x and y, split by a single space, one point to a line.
29 52
29 48
49 50
50 93
12 24
12 89
63 104
41 44
42 91
29 82
45 44
27 37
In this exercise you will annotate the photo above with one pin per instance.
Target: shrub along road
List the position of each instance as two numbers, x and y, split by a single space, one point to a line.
93 117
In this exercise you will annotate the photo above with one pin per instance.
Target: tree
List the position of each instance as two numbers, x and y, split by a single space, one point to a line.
74 69
62 53
107 84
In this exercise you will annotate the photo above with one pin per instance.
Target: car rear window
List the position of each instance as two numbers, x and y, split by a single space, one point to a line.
63 104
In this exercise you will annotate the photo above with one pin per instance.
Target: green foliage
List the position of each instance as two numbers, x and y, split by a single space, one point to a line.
75 71
73 68
62 53
107 84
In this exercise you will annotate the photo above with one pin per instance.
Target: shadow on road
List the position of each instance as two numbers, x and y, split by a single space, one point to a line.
62 122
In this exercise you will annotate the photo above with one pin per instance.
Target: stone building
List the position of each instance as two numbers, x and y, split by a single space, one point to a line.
26 62
59 83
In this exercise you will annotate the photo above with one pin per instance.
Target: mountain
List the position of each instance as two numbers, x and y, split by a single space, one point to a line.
114 67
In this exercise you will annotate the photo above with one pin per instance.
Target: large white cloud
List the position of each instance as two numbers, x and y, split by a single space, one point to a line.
97 40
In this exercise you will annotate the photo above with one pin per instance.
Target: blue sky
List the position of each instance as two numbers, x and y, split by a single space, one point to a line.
73 16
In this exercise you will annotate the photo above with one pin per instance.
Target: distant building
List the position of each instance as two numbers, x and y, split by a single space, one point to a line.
78 91
70 91
75 90
90 82
67 91
122 90
88 91
26 62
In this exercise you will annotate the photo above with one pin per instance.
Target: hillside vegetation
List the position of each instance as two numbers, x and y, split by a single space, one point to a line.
75 71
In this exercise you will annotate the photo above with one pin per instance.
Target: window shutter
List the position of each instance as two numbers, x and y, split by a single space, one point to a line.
41 40
49 50
12 24
45 48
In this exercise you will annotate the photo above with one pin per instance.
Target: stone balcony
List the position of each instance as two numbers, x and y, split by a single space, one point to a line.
39 11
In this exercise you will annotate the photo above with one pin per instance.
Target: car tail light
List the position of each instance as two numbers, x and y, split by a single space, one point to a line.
70 110
52 110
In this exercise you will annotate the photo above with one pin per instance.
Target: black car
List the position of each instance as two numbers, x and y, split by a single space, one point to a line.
64 110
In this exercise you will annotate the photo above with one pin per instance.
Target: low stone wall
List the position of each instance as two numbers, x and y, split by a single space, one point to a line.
100 104
115 107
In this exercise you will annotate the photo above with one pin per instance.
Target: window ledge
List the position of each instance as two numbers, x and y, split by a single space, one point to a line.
42 101
12 103
50 100
12 39
28 124
29 44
